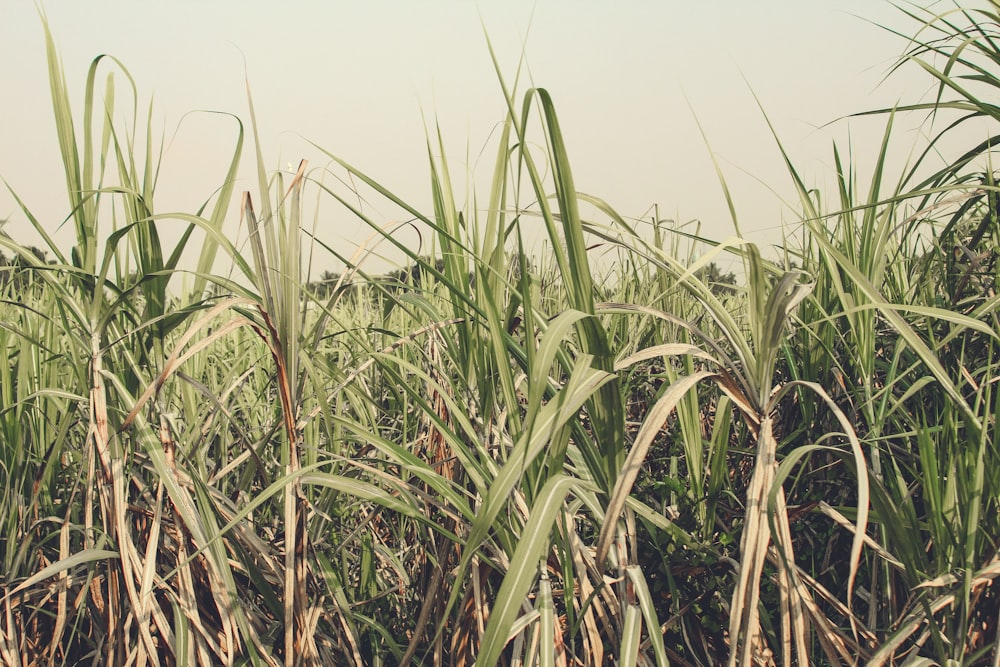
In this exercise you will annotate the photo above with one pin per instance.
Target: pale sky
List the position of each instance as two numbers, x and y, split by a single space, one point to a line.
627 78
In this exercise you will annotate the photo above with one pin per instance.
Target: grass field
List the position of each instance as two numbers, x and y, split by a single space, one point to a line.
492 458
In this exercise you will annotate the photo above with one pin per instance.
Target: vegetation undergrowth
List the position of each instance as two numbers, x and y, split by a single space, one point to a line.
489 458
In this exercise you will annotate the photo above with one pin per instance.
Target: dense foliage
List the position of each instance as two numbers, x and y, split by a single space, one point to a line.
494 459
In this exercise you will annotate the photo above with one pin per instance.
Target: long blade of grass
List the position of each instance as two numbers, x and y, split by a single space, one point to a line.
524 566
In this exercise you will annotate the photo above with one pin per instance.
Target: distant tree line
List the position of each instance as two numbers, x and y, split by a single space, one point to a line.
717 280
16 274
407 277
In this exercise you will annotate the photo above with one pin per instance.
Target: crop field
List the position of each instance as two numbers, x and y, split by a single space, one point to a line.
495 457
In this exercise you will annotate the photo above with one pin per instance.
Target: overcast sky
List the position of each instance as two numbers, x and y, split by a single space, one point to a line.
628 78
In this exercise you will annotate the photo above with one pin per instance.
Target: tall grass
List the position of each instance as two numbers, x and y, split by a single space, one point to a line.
490 458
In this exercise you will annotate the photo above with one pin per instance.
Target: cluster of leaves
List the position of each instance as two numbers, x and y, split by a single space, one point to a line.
485 459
